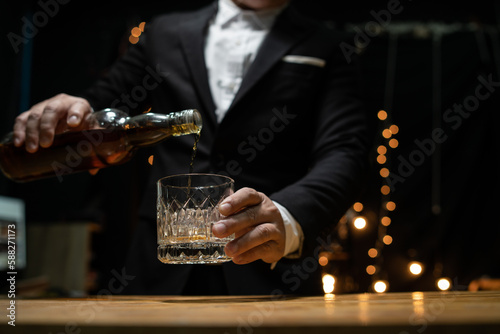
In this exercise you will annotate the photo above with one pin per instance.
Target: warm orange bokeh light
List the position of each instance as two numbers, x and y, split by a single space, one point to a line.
394 129
385 190
382 115
381 149
358 207
391 206
370 270
386 221
387 239
136 31
133 39
323 261
372 252
393 143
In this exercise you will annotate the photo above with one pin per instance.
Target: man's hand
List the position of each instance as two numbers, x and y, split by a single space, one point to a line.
37 126
257 225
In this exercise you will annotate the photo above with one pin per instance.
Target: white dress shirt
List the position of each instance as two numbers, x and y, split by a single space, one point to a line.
233 39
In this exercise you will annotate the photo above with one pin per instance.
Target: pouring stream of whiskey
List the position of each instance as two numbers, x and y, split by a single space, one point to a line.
195 147
193 155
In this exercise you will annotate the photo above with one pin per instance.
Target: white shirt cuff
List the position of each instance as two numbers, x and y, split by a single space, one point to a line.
293 233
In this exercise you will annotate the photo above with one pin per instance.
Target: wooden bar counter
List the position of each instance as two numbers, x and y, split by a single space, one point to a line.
399 313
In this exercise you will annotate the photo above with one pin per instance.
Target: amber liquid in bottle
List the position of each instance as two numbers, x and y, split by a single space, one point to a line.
73 152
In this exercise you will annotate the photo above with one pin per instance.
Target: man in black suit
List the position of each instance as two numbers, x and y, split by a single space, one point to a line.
282 115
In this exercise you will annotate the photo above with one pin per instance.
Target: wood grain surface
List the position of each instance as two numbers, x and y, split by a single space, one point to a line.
399 313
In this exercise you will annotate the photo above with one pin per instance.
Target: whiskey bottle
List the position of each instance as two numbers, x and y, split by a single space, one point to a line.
111 137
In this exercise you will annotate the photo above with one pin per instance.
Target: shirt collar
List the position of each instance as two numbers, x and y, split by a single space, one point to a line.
229 12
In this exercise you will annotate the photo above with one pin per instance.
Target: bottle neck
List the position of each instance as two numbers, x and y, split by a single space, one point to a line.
151 128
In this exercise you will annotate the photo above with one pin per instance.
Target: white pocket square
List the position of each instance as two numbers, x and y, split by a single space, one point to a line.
304 60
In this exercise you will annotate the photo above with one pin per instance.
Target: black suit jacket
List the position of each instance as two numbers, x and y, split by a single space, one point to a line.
294 131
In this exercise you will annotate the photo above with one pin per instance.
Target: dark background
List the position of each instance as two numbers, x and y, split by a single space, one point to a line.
416 76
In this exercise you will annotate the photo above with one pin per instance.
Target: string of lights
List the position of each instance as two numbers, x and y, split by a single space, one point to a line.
358 216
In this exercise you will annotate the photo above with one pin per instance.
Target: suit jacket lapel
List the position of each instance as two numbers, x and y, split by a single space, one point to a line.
193 42
290 27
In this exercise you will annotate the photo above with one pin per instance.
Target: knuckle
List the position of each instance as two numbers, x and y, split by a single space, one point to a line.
274 211
267 247
20 119
251 214
268 252
34 116
250 256
251 191
264 232
77 104
51 106
259 195
33 137
45 126
83 101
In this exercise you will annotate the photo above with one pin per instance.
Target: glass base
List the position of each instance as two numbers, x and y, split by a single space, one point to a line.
193 253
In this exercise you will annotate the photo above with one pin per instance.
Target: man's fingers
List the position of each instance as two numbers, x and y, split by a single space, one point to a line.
259 235
241 199
77 112
59 115
48 123
20 128
75 117
245 220
38 126
267 252
244 209
32 131
257 225
41 126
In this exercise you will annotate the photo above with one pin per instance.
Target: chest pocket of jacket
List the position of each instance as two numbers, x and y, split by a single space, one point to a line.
296 81
305 71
